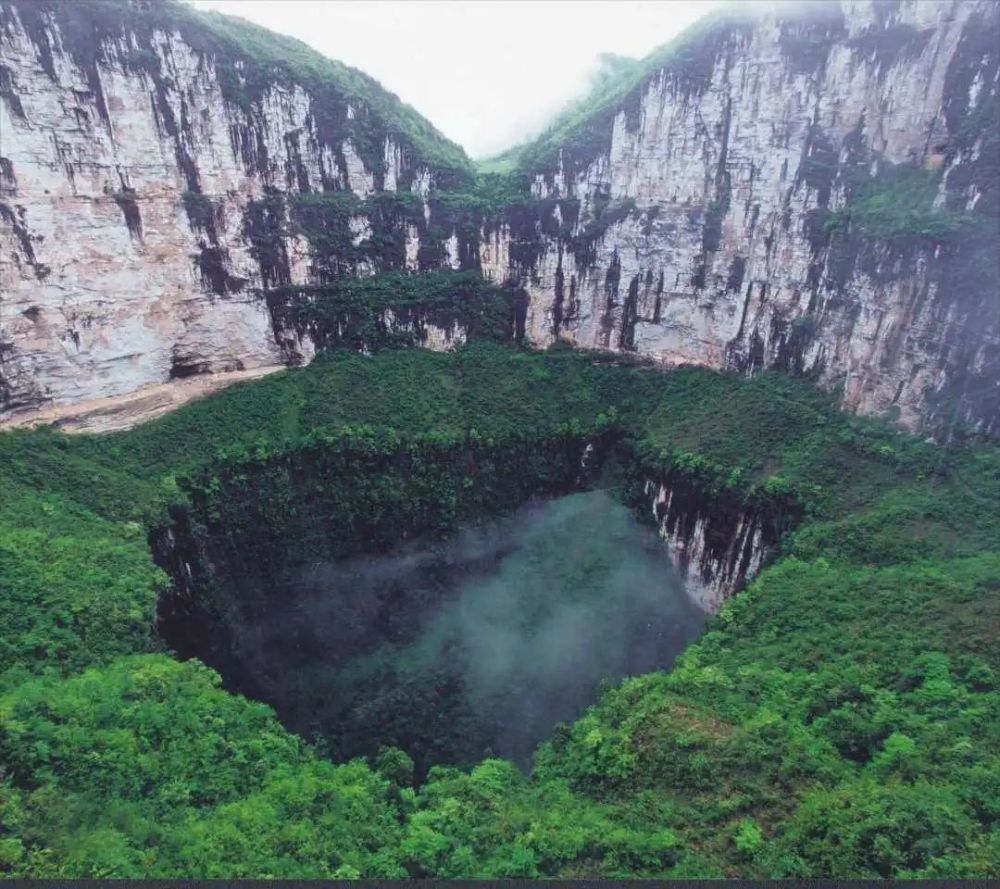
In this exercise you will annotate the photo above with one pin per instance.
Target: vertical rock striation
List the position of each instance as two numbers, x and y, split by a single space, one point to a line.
811 187
716 547
162 172
814 188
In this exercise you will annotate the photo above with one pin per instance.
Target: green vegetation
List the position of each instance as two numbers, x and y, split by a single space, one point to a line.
489 196
354 312
839 717
146 766
354 236
897 206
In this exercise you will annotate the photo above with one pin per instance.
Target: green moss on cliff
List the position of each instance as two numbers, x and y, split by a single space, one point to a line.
396 308
898 206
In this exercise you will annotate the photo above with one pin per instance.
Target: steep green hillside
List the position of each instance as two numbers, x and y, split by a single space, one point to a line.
839 717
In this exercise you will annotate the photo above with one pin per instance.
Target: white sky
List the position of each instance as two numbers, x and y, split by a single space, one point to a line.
487 73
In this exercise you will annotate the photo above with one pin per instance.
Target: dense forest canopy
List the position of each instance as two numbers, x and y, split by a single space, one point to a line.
839 716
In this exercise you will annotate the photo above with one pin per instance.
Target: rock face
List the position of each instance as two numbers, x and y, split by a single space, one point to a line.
815 189
715 548
149 174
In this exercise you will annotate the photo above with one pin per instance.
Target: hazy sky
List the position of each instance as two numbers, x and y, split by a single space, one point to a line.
487 73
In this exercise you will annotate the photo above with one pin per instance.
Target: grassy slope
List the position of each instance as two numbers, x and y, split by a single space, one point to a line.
838 718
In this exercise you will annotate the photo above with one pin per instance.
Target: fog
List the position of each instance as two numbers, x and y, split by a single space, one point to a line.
478 644
489 73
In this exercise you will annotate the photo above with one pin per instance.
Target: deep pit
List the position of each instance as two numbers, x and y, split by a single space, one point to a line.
477 644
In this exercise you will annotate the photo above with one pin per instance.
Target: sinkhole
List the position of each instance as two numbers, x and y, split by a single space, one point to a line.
458 648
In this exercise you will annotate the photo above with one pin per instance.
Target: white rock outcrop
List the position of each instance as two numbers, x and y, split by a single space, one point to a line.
699 227
715 552
127 255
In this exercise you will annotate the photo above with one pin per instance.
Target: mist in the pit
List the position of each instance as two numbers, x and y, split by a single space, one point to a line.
587 595
478 644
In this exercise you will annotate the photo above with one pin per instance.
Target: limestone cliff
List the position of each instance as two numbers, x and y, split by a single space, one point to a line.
715 546
168 179
814 188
